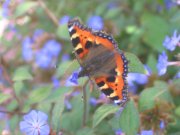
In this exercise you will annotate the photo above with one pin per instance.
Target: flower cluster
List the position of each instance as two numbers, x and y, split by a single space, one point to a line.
43 57
170 43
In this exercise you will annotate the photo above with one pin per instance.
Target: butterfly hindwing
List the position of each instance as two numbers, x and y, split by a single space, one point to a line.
114 85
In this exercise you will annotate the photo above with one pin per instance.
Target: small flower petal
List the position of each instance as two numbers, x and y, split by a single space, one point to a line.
162 63
147 132
35 123
170 43
64 19
95 22
73 79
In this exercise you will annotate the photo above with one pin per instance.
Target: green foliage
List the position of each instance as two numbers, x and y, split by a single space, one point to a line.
130 117
62 32
22 73
135 64
39 94
24 7
150 96
57 111
154 25
102 112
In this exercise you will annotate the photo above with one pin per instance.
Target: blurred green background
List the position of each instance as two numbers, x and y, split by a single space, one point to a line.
38 69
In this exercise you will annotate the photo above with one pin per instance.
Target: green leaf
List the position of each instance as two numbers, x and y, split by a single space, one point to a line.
85 131
4 97
39 94
146 100
12 105
134 64
18 86
156 29
24 7
13 123
151 62
22 73
149 96
102 112
62 32
72 120
104 128
54 96
129 119
177 111
56 113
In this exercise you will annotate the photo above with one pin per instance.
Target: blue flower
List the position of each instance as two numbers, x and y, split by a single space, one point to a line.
118 132
112 5
177 76
64 20
65 57
37 33
5 9
132 80
95 22
147 132
73 79
162 125
169 4
170 43
56 82
93 101
27 52
35 123
162 63
43 60
52 47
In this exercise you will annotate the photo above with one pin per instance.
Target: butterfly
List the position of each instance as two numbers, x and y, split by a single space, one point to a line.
101 60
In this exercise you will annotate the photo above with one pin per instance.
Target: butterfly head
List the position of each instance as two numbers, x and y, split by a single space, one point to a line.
72 23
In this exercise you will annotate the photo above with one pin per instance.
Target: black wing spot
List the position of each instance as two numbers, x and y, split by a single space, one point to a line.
114 98
100 84
75 41
111 79
72 32
107 91
79 51
88 44
113 71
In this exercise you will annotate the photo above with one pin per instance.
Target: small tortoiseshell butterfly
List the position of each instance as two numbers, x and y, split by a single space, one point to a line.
101 60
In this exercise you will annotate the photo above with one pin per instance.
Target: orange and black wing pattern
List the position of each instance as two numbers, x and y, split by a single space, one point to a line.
101 60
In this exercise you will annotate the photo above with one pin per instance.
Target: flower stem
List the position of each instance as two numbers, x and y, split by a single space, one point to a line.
174 63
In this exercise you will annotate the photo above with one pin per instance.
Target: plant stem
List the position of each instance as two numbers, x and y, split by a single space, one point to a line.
7 77
49 13
85 103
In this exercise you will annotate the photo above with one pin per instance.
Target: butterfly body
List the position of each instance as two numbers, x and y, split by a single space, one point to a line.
101 60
